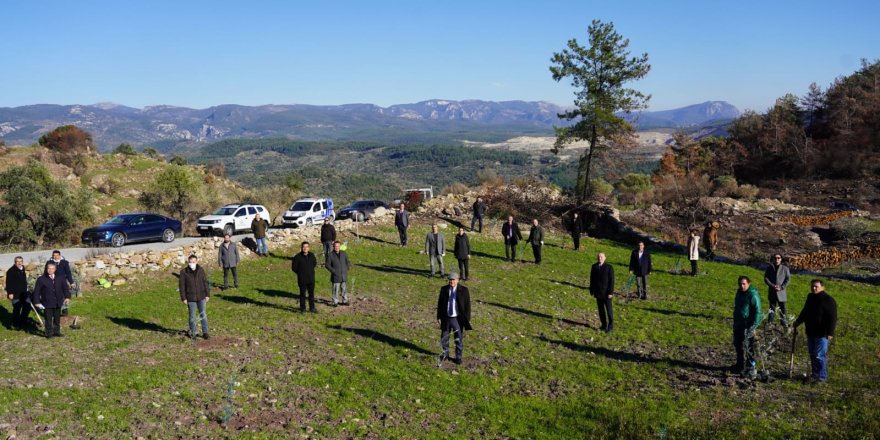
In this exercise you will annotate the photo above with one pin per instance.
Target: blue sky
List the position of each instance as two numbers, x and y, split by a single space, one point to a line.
200 53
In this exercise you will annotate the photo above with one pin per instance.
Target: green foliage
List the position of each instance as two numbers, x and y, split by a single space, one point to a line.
598 73
172 192
601 189
151 152
634 188
452 155
455 188
38 209
850 228
125 149
177 160
295 182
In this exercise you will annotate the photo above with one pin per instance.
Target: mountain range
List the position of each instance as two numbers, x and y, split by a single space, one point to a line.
434 121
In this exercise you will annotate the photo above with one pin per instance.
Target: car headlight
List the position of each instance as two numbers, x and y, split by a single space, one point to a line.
107 235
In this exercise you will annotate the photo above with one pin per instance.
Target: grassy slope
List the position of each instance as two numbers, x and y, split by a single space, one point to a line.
531 369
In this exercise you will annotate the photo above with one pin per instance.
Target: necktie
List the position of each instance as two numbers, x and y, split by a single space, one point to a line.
451 301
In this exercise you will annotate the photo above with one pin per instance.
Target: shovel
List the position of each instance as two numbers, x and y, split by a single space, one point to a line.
37 313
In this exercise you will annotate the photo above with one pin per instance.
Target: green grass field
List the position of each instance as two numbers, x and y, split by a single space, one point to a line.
535 364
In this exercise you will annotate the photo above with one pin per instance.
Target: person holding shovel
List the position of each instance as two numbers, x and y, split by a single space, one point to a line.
50 293
820 317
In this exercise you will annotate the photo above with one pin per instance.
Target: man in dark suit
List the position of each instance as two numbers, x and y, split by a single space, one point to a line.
479 212
454 313
536 238
62 268
602 288
512 236
640 266
303 266
16 291
50 293
401 220
576 230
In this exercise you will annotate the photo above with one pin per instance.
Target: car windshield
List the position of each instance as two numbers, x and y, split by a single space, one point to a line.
118 220
225 211
361 204
301 206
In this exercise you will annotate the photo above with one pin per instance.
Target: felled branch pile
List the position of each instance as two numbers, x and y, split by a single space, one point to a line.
819 219
834 257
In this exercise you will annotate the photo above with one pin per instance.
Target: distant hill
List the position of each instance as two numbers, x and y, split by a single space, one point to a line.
712 113
170 128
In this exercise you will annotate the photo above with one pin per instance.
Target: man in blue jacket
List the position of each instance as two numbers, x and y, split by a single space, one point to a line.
50 293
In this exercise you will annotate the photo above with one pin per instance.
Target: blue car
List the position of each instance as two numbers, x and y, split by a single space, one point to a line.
128 228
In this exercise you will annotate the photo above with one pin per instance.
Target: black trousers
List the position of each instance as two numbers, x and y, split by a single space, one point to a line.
328 247
536 249
20 312
310 289
475 220
510 251
577 241
463 268
745 349
447 325
605 307
53 321
402 232
694 268
226 276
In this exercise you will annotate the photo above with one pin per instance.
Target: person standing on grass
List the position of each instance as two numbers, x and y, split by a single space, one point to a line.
640 266
62 268
480 209
228 257
401 221
50 294
820 317
328 236
338 264
777 278
512 236
746 318
16 291
602 288
462 252
195 293
576 230
694 250
303 265
536 238
258 227
454 315
435 247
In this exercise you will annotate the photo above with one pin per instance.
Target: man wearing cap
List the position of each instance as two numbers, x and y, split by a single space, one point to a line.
454 314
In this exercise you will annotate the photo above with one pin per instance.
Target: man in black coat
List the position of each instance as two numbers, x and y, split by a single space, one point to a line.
62 268
536 238
512 236
577 228
16 291
328 236
454 313
640 266
820 316
401 220
480 209
602 288
462 252
50 293
303 265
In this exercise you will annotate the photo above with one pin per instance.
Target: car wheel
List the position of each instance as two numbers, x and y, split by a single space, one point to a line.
168 236
118 239
228 229
358 216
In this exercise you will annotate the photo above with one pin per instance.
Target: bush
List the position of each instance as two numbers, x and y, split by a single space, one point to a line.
44 209
849 228
725 186
456 188
152 153
172 192
125 149
489 178
635 188
177 160
670 189
67 144
746 192
601 190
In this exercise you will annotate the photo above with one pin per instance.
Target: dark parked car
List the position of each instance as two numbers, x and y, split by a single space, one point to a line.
127 228
361 210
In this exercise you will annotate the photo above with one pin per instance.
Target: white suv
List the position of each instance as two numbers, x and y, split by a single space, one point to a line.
231 218
308 212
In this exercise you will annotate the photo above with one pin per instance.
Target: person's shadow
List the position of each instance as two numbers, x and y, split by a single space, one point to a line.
376 239
397 269
382 337
245 301
534 313
485 255
632 357
138 324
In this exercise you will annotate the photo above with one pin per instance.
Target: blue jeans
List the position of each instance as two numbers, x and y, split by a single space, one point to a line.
203 314
818 348
261 246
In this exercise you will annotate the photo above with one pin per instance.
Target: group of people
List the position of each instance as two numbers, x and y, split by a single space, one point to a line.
52 290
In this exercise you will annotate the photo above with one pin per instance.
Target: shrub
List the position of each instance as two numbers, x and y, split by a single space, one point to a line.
635 188
172 191
746 192
125 149
725 186
456 188
177 160
489 178
849 228
670 189
601 190
68 139
152 153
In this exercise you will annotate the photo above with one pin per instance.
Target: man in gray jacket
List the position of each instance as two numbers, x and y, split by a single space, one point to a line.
435 247
777 278
228 258
338 264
